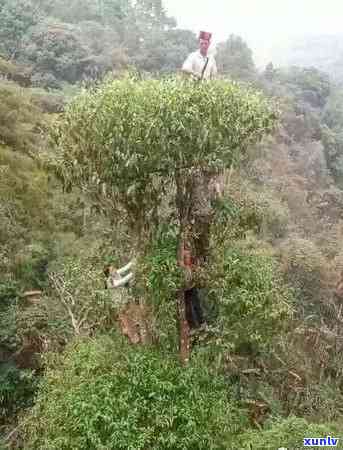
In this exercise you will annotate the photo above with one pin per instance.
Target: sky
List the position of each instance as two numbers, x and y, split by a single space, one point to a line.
264 24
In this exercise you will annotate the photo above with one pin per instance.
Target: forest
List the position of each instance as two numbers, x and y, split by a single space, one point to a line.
105 153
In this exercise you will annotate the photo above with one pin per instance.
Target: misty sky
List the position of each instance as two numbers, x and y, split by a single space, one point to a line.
262 23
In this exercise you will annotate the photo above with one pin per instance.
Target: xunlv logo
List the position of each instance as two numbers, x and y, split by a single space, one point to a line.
321 442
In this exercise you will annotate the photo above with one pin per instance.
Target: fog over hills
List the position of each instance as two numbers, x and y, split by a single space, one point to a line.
324 52
306 33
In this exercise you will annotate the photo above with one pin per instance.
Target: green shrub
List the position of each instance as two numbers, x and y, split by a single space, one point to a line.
288 433
74 303
7 68
304 266
31 266
8 292
243 209
254 305
8 301
103 394
78 291
161 276
236 216
318 401
21 121
24 206
276 216
17 388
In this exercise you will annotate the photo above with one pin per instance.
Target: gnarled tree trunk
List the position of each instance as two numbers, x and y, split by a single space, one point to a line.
194 203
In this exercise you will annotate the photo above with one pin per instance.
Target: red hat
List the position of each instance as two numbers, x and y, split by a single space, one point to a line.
205 35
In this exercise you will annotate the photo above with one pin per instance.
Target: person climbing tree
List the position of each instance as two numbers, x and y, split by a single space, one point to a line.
131 317
115 277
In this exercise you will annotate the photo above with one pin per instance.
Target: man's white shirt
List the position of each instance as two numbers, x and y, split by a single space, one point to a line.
196 62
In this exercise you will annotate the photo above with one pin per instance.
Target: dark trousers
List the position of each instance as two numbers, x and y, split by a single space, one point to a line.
194 313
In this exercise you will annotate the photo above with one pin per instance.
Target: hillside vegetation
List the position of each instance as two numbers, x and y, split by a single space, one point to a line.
100 144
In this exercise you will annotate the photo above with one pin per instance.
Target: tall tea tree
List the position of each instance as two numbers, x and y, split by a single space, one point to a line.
129 143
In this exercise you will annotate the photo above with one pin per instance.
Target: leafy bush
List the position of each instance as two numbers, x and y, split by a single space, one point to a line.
57 53
106 395
17 388
25 215
21 121
235 217
276 216
288 433
23 190
49 102
253 303
309 85
17 17
74 303
235 59
31 266
18 74
319 401
8 299
244 210
303 265
8 293
161 276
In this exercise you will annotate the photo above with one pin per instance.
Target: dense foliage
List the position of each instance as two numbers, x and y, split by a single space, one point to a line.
290 433
266 369
235 59
246 287
128 141
66 42
104 394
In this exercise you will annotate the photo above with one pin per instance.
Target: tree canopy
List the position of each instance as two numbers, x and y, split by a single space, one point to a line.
235 59
118 140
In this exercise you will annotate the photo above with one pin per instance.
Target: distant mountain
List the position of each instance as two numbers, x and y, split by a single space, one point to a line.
324 52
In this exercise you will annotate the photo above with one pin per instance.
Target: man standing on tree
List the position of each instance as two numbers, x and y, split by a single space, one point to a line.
195 250
205 185
200 64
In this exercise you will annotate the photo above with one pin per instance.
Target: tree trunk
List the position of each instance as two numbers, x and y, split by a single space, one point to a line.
184 336
128 326
184 329
145 330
